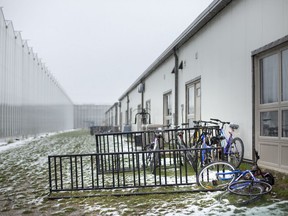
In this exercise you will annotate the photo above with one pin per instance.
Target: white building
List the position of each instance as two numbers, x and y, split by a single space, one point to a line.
87 115
231 63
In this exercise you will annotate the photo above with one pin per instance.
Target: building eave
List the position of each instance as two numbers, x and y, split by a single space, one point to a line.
207 15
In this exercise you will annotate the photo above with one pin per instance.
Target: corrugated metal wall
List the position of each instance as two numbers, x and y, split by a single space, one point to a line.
31 99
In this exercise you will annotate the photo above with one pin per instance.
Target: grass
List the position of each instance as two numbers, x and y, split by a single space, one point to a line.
10 141
280 188
24 186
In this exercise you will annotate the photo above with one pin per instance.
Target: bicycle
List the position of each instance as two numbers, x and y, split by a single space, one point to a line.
247 181
222 175
153 154
144 116
233 146
186 153
202 143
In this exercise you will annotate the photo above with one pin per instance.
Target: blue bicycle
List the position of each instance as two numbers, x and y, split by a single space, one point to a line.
221 175
233 147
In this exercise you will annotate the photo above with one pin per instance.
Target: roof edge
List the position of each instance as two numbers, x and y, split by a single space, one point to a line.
208 14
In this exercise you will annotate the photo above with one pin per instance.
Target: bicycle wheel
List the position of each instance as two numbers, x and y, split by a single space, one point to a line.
196 151
148 154
172 144
154 162
191 159
236 152
249 188
216 175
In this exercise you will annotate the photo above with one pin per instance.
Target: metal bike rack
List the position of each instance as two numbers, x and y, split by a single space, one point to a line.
120 166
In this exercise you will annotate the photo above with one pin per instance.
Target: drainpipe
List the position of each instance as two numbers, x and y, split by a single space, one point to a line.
142 99
143 112
176 86
127 111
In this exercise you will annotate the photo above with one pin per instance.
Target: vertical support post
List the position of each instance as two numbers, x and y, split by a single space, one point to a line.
50 175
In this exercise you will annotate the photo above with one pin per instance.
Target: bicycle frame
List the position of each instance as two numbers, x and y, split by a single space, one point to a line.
251 174
204 136
227 140
233 147
156 142
179 138
186 152
153 155
238 173
249 182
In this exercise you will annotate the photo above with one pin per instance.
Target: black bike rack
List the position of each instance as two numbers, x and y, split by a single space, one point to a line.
119 167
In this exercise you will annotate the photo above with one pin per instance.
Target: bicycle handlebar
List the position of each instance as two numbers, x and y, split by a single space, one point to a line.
218 120
197 123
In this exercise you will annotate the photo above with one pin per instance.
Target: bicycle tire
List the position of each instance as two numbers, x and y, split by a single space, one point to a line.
172 143
151 158
216 175
195 138
148 148
250 188
154 162
197 154
236 152
191 159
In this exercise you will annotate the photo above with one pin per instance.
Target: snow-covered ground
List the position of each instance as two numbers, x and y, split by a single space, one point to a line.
24 187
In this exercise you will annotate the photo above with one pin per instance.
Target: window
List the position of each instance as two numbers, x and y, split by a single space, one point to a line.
148 106
285 75
273 91
270 82
168 104
285 123
193 101
269 68
167 108
269 123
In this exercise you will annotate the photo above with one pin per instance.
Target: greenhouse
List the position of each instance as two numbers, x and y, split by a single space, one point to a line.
31 99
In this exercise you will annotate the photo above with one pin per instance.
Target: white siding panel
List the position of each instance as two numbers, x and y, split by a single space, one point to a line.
221 54
157 84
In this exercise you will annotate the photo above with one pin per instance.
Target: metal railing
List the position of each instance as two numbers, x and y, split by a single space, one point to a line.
136 141
120 162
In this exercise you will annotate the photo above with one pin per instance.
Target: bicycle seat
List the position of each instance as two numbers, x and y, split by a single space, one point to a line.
234 126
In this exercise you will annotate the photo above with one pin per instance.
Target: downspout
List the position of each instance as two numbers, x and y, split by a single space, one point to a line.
142 99
127 111
116 114
143 112
119 115
176 86
141 91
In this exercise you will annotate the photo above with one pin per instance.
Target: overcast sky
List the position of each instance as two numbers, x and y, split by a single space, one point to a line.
97 48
